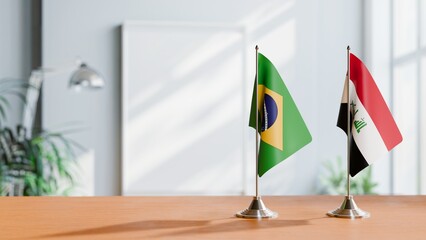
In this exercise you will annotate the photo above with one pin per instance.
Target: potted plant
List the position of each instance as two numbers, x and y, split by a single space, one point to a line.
32 166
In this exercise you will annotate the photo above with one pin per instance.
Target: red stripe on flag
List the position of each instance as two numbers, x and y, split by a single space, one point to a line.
373 102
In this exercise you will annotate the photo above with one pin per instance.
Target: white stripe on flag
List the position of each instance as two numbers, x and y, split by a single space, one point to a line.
368 138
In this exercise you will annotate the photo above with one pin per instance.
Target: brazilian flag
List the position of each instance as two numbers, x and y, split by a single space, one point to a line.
281 127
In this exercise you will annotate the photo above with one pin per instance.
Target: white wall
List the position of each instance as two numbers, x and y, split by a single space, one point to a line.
15 47
305 39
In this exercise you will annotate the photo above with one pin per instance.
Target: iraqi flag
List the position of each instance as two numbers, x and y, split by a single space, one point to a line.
373 129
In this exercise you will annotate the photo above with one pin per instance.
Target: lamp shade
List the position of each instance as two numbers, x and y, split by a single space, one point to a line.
86 77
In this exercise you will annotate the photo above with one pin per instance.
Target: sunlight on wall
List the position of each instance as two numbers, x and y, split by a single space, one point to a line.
213 46
265 13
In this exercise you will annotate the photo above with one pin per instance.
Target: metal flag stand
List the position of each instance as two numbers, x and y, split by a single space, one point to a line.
257 208
348 209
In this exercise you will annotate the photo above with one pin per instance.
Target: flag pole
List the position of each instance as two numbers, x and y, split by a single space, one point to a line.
348 209
257 122
348 148
257 208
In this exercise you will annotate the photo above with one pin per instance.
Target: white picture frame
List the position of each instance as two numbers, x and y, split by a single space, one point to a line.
184 116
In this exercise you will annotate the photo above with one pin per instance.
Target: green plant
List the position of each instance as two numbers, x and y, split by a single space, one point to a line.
334 180
37 165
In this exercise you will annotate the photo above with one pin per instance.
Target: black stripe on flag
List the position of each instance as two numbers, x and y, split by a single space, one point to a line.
358 161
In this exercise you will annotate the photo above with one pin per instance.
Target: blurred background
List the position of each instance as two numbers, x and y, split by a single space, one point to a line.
172 115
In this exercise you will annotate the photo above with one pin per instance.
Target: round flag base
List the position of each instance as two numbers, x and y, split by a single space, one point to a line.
349 209
257 209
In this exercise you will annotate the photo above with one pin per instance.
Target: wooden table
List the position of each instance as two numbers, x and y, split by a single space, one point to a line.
392 217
